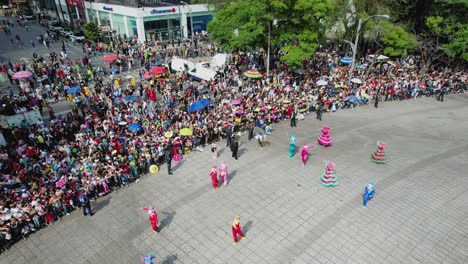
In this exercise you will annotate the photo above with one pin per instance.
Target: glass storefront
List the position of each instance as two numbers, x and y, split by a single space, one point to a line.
201 22
104 17
119 25
163 29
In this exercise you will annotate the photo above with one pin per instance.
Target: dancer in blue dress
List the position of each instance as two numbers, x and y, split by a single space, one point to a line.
368 194
292 146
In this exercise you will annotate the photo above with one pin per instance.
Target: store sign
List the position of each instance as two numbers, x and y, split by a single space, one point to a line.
105 8
162 11
105 28
77 3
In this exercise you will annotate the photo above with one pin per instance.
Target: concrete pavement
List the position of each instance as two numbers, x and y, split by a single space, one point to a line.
419 214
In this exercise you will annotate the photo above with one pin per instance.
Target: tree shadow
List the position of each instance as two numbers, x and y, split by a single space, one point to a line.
247 226
166 222
170 259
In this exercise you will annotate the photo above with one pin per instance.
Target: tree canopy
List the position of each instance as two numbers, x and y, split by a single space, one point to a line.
432 28
299 29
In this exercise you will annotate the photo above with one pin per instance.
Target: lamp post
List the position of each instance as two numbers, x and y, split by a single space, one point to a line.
274 22
356 40
268 54
191 18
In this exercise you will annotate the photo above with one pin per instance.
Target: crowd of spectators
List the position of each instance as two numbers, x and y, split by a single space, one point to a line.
46 166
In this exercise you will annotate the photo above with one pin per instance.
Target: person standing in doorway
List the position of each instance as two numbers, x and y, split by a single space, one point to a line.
237 230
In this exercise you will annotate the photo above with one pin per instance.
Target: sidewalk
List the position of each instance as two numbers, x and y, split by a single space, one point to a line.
418 214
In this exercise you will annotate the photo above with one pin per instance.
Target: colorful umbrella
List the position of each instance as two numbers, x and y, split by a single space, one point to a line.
153 169
168 134
198 105
186 132
131 98
148 75
236 102
112 70
73 90
321 82
252 74
110 58
356 80
135 127
22 75
346 60
158 70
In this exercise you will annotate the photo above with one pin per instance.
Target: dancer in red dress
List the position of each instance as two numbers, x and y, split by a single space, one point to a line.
214 177
237 230
153 218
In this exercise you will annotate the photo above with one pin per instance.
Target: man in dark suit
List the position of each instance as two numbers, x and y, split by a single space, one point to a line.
228 136
168 157
234 149
251 130
319 111
293 117
376 104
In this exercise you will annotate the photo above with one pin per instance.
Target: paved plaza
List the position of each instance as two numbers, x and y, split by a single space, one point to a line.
419 214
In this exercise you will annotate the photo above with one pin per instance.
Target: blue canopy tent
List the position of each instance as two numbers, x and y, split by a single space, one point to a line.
131 98
135 127
198 105
346 60
73 90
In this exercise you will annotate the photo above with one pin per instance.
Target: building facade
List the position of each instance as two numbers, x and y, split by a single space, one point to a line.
142 19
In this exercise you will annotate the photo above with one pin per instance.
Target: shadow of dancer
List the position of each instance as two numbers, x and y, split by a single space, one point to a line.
247 227
170 259
166 222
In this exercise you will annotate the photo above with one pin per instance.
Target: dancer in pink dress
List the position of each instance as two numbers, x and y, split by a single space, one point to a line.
379 155
214 177
223 173
325 139
329 177
305 153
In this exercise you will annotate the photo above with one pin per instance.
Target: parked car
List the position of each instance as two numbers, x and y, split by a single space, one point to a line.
66 32
55 26
78 36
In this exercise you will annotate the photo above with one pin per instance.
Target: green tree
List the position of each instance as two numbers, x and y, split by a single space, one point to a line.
239 26
244 24
396 40
447 37
91 31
